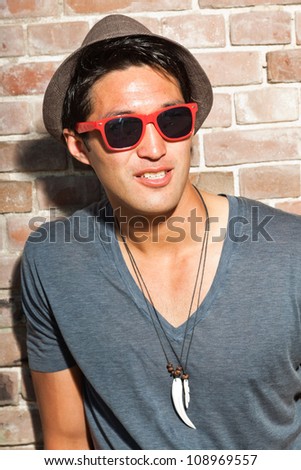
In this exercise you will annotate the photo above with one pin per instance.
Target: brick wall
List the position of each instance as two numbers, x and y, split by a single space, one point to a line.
250 143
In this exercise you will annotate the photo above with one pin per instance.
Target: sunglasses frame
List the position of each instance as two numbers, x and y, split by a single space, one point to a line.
82 127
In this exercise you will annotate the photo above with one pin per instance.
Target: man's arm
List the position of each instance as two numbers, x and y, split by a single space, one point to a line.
59 397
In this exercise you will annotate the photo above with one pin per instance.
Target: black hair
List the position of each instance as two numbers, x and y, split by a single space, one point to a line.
118 54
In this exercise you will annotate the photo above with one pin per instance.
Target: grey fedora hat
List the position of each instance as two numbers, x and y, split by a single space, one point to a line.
114 26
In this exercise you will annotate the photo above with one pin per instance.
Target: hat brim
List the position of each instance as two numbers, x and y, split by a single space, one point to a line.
201 89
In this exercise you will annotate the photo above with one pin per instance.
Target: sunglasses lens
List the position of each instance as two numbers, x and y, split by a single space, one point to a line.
175 123
123 132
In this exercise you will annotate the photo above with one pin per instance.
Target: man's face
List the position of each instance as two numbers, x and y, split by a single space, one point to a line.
151 178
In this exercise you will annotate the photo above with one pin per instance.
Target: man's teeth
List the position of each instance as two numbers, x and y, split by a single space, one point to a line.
153 176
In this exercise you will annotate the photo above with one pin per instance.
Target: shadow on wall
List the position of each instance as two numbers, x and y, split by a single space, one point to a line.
59 184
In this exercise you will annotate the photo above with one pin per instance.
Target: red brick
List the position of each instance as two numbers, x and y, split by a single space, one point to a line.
10 272
55 38
10 312
70 190
268 27
18 230
266 182
11 41
235 147
123 6
195 30
267 105
15 196
37 119
284 66
25 79
13 346
9 387
232 68
298 28
19 426
217 182
33 155
294 207
243 3
28 8
195 152
15 118
221 113
2 232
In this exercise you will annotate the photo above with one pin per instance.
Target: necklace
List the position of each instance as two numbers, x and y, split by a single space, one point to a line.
180 392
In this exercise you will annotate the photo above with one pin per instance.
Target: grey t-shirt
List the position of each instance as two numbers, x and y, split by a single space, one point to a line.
84 307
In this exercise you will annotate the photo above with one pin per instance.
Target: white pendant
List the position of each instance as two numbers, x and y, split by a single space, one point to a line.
177 397
186 393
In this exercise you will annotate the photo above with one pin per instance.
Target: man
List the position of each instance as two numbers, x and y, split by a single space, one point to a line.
148 327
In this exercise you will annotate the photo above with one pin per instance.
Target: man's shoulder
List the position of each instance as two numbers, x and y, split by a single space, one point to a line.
63 231
282 226
280 215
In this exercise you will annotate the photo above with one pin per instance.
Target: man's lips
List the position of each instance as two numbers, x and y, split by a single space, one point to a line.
154 177
153 173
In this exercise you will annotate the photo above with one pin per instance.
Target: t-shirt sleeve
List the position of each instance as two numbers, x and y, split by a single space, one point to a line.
46 348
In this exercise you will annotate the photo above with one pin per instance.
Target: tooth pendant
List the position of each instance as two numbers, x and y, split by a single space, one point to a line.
181 396
186 393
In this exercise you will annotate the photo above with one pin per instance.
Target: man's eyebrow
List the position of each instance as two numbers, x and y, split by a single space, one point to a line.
129 111
118 113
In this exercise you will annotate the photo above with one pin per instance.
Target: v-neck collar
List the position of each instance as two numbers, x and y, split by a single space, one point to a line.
174 332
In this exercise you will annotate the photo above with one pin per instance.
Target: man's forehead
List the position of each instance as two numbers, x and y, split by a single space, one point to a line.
134 89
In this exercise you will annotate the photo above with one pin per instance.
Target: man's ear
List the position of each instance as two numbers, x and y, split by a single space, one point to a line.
76 146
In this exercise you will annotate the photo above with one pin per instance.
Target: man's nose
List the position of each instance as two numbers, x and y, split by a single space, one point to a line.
152 146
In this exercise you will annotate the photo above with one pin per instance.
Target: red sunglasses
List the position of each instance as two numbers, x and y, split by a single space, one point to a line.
124 132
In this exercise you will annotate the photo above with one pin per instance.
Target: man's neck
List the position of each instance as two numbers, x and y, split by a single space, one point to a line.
168 233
